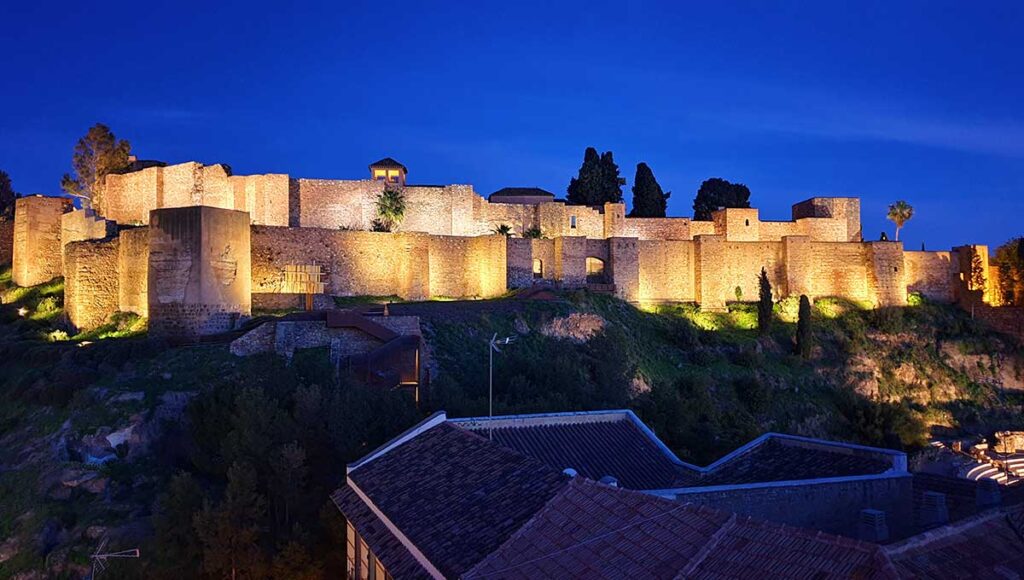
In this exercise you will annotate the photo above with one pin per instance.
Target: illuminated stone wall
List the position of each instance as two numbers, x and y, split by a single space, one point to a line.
467 267
932 274
6 241
37 254
199 278
133 271
90 282
667 271
128 198
80 225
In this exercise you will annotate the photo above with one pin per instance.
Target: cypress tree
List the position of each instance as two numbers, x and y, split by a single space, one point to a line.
611 183
648 198
803 328
764 304
582 187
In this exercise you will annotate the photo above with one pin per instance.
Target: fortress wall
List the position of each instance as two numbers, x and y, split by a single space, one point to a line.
519 257
463 266
666 271
623 267
199 277
91 282
571 261
133 271
741 267
839 269
128 198
738 224
886 274
333 203
489 216
709 282
932 274
354 263
179 186
434 210
37 256
699 228
6 241
799 260
775 231
79 225
656 228
842 212
265 197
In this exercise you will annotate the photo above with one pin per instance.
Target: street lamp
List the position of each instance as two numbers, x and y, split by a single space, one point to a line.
491 349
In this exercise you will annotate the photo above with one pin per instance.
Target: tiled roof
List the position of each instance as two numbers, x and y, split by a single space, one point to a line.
984 546
399 562
595 444
387 163
522 191
783 459
590 530
455 495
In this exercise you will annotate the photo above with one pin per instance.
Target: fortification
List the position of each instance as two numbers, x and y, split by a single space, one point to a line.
199 278
37 249
218 241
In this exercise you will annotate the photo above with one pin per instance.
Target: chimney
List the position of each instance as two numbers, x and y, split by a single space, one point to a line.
872 526
609 480
987 493
933 509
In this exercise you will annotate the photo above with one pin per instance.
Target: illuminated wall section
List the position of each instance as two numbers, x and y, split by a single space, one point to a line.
37 250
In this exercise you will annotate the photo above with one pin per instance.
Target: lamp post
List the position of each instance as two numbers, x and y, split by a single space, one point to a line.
491 349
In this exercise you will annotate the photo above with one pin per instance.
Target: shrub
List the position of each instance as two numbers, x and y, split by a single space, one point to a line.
764 304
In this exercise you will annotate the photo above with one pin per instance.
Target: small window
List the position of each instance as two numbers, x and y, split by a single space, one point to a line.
572 222
364 561
350 549
747 223
895 269
538 268
380 174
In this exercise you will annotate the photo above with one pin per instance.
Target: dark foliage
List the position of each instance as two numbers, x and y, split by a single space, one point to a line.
598 181
97 154
7 195
765 305
804 337
717 193
648 198
1009 261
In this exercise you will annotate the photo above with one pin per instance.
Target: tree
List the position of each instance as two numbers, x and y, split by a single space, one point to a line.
293 562
1009 260
597 182
977 277
96 155
804 339
503 230
648 198
390 210
178 549
900 213
764 303
7 195
717 193
533 233
230 533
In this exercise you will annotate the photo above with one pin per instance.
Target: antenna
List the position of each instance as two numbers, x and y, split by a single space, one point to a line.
99 557
492 348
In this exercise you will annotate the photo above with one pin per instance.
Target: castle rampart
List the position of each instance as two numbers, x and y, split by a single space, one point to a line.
217 241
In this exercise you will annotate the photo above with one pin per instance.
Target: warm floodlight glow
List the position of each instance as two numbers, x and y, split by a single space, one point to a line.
22 311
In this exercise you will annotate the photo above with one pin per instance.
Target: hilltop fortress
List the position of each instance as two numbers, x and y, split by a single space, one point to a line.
194 248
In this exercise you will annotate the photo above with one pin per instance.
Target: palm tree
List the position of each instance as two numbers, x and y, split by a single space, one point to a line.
503 230
390 210
899 214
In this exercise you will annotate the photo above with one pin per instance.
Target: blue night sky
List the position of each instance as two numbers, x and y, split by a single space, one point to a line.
921 101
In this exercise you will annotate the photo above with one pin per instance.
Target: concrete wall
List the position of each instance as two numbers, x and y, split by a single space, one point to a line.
37 254
199 278
6 241
831 507
91 282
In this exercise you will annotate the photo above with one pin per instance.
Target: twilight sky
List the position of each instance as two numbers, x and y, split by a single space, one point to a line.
922 101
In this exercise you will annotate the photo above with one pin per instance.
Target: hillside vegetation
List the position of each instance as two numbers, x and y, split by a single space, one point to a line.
205 460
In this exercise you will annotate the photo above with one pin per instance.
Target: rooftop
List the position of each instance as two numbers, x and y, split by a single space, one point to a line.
387 163
522 192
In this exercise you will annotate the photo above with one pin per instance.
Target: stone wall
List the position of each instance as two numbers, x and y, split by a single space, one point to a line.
199 278
91 282
82 224
128 198
467 267
6 241
832 507
886 275
667 271
133 271
37 256
932 274
838 269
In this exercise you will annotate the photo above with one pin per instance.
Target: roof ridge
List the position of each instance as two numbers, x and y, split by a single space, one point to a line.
707 548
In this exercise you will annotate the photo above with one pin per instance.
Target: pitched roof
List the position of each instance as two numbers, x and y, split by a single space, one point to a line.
454 494
387 163
989 545
590 530
595 444
395 557
522 192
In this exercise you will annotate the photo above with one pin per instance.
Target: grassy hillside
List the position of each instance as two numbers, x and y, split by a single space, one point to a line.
160 447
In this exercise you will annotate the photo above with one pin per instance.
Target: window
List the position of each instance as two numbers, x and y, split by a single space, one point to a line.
364 561
595 271
380 174
393 175
572 222
747 222
350 549
538 268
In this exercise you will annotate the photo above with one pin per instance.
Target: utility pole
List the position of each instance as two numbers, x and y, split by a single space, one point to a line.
492 348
